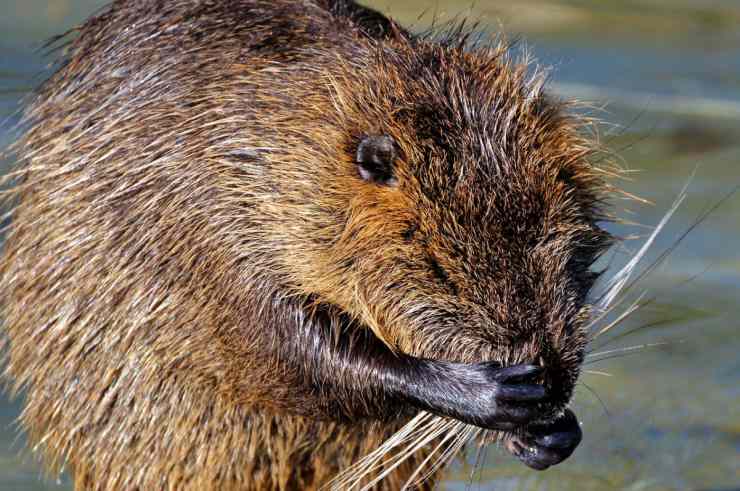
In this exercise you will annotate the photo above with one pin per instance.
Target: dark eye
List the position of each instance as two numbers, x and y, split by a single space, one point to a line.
375 158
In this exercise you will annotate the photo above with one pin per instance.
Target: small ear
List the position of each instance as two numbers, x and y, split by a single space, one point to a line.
375 158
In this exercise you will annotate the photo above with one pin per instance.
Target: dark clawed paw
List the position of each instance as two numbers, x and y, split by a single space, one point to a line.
542 446
516 397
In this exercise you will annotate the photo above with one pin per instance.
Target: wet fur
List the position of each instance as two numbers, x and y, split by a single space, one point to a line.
200 292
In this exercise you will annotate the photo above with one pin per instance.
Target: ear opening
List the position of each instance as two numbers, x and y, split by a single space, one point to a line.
375 159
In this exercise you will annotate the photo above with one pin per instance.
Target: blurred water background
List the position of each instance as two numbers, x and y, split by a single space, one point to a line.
664 75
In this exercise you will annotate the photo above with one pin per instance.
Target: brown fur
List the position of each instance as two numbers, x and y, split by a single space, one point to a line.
186 184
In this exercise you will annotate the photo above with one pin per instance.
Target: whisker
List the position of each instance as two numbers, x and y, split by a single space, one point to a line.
598 398
608 304
416 427
645 304
596 372
641 327
485 458
464 433
615 286
627 351
700 219
476 467
461 437
468 435
409 450
419 437
621 318
442 443
629 311
603 313
663 257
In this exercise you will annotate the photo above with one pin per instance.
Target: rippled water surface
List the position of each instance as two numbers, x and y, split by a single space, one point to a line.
667 73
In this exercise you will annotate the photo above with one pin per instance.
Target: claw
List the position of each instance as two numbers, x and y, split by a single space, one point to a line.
516 402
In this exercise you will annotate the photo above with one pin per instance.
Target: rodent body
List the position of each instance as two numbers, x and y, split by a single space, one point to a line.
250 239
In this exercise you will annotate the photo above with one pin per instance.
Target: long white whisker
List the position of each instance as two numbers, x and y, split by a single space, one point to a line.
462 437
410 432
627 349
417 430
629 311
617 283
699 220
420 424
596 372
391 464
450 435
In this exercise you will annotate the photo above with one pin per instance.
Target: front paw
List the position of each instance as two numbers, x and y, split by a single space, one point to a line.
541 446
482 394
510 397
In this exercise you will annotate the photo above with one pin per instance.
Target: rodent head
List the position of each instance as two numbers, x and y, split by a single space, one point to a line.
456 212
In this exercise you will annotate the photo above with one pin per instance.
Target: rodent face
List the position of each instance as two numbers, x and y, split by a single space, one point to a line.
470 213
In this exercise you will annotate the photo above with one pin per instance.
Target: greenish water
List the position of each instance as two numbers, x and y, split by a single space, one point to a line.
665 417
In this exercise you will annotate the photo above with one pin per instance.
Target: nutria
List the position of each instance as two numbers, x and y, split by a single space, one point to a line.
252 239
